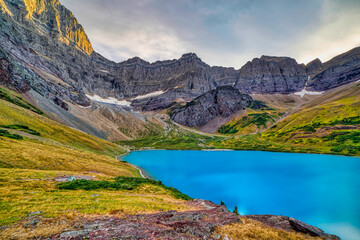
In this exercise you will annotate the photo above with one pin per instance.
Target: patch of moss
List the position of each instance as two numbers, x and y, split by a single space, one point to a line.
22 128
6 133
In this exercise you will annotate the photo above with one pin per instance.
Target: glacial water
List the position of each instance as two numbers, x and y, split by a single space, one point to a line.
321 190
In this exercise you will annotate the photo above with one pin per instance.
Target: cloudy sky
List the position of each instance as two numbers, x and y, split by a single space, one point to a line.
220 32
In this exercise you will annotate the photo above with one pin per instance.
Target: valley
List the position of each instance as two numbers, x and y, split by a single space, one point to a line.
69 116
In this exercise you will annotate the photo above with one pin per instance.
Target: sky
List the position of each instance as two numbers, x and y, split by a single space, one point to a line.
221 32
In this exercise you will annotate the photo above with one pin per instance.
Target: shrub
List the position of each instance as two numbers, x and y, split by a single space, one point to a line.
22 128
124 183
6 133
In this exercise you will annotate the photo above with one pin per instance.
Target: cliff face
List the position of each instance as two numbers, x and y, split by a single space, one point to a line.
49 52
271 75
222 101
54 18
342 69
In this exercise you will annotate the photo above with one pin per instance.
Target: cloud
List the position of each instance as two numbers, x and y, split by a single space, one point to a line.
221 32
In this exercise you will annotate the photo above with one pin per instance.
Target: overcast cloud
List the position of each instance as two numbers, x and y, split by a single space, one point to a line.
220 32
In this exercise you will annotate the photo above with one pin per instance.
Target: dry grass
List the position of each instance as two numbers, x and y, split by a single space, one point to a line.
32 154
53 131
25 191
251 229
45 228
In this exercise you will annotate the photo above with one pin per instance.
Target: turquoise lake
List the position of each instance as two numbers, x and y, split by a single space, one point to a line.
321 190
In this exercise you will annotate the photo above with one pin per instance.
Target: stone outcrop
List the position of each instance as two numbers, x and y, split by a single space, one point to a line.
166 225
291 224
199 224
222 101
271 75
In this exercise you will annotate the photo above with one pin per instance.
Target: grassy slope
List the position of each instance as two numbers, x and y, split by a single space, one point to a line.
47 150
330 124
250 121
175 138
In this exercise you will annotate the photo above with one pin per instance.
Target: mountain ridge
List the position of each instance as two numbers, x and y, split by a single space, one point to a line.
94 74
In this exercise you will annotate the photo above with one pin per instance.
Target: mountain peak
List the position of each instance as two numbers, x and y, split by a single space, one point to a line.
54 16
189 55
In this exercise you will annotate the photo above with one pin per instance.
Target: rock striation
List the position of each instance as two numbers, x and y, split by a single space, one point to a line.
271 75
223 101
340 70
44 48
166 225
199 224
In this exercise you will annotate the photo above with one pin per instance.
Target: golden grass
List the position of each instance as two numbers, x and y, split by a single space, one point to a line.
12 114
251 229
25 191
33 154
45 228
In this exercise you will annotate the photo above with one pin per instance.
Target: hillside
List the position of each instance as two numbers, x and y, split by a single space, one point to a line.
38 155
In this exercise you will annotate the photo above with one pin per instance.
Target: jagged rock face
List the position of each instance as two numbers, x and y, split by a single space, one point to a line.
340 70
53 56
222 101
137 77
271 75
313 67
37 38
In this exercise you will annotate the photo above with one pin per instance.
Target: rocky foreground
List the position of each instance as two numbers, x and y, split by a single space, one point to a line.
198 224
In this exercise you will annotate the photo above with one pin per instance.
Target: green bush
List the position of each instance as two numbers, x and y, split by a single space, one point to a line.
18 101
22 128
124 183
6 133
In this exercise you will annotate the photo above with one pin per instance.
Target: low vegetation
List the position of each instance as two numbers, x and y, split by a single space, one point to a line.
5 133
35 152
21 128
124 183
251 121
16 99
176 139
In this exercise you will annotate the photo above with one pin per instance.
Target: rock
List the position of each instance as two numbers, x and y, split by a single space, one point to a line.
271 75
313 67
35 213
165 225
342 69
223 102
291 224
302 227
32 223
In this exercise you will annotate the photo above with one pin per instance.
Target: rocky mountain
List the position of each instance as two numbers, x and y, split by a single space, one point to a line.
340 70
45 51
314 66
222 101
272 75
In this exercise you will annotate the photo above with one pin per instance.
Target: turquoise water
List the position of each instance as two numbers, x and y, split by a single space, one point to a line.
321 190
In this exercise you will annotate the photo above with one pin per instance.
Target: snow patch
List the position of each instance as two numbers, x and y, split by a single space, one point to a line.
104 71
153 94
110 100
358 81
85 107
304 92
